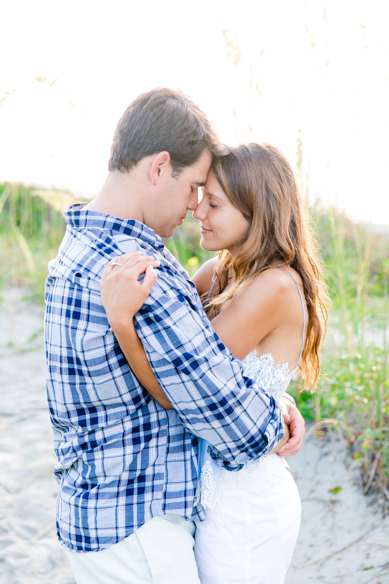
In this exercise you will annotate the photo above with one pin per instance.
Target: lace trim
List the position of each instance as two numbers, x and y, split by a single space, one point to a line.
208 490
254 476
274 379
268 358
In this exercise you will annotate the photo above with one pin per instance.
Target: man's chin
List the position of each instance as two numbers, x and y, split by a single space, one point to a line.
167 233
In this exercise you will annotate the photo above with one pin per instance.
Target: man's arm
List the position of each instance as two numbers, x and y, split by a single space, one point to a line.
122 295
136 357
200 377
202 380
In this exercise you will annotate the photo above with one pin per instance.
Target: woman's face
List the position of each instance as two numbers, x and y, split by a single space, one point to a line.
223 226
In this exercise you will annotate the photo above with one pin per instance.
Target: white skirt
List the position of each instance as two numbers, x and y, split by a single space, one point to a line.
249 536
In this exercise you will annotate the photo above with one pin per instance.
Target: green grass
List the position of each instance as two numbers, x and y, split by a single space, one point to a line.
353 390
30 233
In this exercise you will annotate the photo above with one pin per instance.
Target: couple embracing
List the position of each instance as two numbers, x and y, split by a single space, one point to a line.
168 396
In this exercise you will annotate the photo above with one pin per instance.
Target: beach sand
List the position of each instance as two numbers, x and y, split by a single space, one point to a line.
29 550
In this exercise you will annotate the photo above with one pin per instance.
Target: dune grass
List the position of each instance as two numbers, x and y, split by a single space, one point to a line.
353 391
30 233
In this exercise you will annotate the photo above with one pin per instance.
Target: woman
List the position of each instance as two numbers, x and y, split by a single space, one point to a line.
263 295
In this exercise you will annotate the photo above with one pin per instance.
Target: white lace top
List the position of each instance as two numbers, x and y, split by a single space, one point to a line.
274 379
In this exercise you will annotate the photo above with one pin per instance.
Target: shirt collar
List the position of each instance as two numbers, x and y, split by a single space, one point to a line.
78 218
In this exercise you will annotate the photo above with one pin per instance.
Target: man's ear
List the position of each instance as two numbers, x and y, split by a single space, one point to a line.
159 166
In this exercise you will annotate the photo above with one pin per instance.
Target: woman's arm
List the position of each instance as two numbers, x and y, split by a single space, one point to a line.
133 265
136 357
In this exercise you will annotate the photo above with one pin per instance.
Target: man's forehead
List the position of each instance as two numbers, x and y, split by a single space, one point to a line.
199 171
200 177
206 161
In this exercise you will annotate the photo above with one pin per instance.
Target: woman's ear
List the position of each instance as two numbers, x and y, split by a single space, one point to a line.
159 166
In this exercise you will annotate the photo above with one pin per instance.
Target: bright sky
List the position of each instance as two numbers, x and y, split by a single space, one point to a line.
279 71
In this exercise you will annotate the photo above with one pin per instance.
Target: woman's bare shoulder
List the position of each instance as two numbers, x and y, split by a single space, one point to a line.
256 310
279 279
271 289
271 280
204 276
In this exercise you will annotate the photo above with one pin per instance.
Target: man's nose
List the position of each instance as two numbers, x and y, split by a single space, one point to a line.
193 200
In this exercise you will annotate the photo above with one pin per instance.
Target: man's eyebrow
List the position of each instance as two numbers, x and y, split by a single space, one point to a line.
200 184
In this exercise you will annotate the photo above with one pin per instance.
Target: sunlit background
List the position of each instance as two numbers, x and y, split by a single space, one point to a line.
310 77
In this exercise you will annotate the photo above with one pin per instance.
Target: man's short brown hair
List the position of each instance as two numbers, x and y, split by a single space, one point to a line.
163 120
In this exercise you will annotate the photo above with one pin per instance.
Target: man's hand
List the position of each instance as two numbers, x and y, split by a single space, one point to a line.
296 424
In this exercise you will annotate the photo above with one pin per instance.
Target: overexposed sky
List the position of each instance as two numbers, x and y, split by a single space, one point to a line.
277 71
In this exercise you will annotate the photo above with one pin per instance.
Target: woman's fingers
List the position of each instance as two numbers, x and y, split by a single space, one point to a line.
126 260
120 260
149 279
132 270
131 259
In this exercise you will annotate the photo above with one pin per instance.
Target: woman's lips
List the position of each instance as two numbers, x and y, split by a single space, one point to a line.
203 230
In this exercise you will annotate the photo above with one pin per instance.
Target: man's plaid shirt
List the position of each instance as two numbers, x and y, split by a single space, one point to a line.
122 458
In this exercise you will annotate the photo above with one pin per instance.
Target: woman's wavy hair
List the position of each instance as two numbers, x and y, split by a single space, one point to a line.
259 181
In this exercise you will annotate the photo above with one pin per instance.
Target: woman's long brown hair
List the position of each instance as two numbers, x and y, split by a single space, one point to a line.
259 181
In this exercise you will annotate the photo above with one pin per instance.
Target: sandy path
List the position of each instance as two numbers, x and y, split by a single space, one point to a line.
29 551
334 522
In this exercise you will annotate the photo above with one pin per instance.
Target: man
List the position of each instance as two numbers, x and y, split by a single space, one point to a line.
127 467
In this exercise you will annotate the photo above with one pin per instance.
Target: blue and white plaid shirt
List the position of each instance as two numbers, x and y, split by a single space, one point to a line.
122 458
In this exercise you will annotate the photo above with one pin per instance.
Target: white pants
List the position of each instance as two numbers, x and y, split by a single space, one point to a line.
249 537
159 552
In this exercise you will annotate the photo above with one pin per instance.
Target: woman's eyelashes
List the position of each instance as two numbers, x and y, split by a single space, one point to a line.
212 202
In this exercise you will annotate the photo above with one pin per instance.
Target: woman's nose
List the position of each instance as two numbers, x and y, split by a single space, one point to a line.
199 213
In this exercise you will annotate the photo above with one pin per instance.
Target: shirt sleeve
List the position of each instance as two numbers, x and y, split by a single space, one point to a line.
203 381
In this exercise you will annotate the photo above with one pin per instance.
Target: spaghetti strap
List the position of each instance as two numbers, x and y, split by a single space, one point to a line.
210 290
304 313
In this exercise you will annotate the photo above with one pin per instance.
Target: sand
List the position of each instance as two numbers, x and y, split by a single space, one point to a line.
29 550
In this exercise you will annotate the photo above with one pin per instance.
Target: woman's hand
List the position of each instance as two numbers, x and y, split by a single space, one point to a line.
121 292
